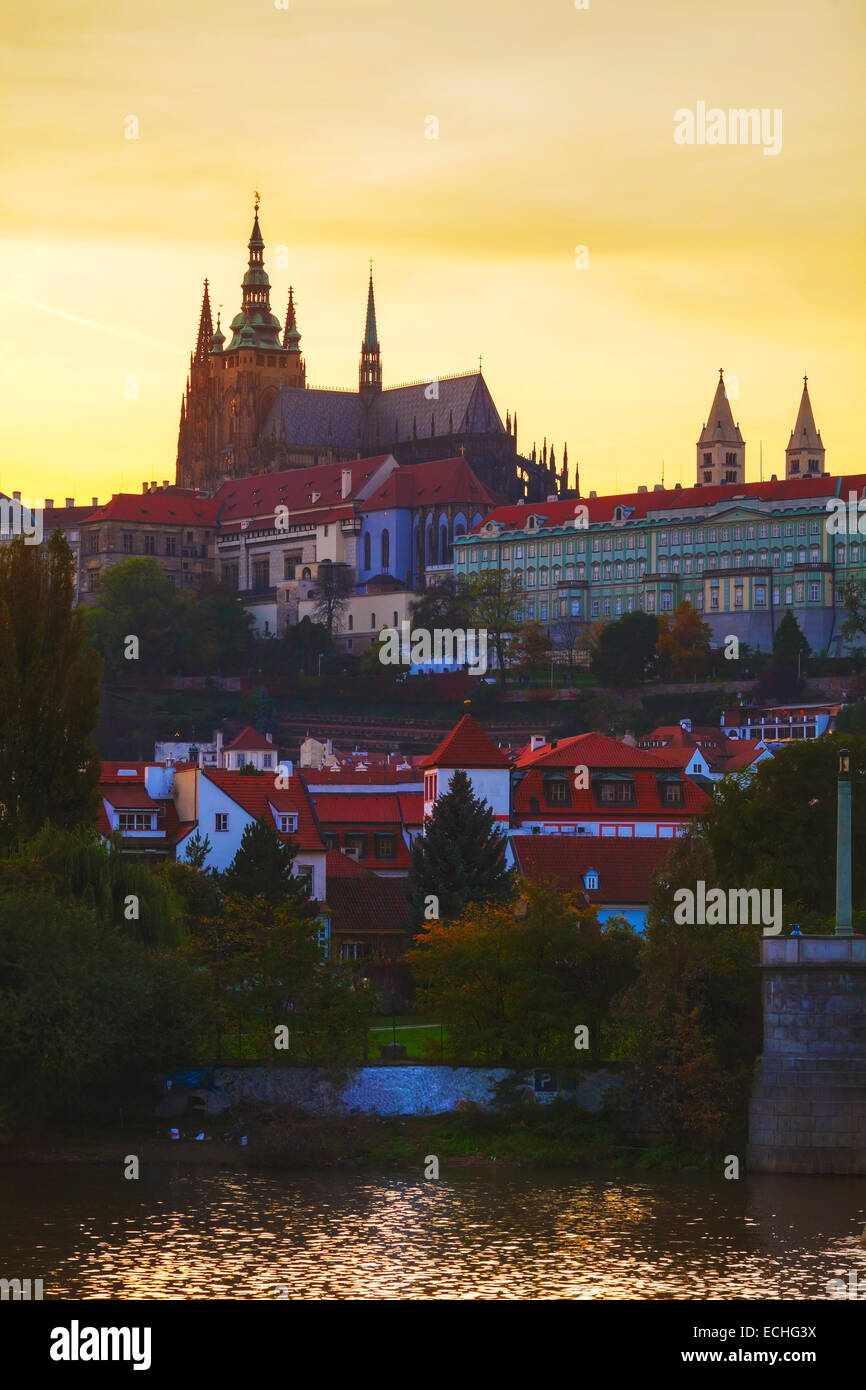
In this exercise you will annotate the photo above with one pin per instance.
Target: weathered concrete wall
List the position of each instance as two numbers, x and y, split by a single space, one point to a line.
808 1107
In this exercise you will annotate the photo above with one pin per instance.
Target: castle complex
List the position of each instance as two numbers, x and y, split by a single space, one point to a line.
247 408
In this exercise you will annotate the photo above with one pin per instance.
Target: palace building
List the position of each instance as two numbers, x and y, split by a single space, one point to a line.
247 408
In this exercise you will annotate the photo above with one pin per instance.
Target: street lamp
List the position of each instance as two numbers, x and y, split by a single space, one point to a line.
844 924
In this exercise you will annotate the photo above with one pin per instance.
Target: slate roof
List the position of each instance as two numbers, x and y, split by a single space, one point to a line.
624 866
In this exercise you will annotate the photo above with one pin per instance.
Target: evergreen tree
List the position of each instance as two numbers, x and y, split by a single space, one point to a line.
197 850
263 867
460 858
49 693
783 678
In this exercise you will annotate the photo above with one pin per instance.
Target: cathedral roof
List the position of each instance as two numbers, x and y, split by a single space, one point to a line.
423 484
720 427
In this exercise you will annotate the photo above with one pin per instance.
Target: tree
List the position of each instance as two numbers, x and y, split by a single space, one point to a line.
304 643
696 1008
496 598
513 980
530 647
777 829
136 599
683 643
216 628
853 593
263 867
445 605
570 635
49 693
783 677
197 850
460 858
334 587
625 649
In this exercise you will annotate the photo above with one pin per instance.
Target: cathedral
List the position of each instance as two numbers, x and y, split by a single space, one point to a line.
247 408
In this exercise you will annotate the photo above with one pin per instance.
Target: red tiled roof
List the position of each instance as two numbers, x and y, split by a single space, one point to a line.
696 499
258 496
412 808
344 780
625 866
250 739
363 902
424 484
357 809
582 805
156 508
466 746
744 752
588 750
258 794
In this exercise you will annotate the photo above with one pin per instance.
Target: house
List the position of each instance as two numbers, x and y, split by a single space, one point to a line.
138 804
375 828
370 919
613 876
594 785
469 749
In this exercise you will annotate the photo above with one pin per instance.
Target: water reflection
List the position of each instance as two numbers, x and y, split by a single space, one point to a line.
187 1233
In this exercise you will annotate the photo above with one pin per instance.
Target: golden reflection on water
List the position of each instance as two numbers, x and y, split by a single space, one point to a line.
185 1234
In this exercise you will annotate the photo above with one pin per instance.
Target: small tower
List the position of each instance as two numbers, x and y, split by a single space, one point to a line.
370 374
804 456
721 450
296 373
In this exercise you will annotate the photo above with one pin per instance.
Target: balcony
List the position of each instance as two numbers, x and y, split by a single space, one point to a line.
351 526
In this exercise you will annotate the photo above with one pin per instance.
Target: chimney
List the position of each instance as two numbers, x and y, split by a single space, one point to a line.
95 502
658 487
269 737
145 487
773 478
536 741
593 494
677 487
346 484
165 482
16 497
686 724
641 487
49 503
70 501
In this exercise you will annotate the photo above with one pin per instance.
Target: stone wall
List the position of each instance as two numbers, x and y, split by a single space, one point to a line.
808 1106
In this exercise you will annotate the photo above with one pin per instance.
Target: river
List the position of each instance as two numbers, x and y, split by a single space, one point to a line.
198 1233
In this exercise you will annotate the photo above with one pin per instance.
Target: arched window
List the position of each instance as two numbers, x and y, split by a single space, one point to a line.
518 577
367 548
306 574
351 623
386 550
530 579
444 556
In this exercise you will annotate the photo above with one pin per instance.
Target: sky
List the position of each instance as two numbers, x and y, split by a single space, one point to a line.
556 131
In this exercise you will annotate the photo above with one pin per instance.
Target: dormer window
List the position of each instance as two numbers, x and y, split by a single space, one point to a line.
287 822
590 881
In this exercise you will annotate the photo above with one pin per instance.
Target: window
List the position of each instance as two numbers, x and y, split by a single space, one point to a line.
801 528
136 820
171 545
777 595
814 592
595 608
332 840
356 844
220 821
606 608
714 598
190 537
150 545
760 595
738 595
287 821
386 550
615 793
667 603
127 542
543 613
590 880
367 557
789 528
260 573
840 554
800 591
708 459
372 622
650 603
672 793
724 534
93 542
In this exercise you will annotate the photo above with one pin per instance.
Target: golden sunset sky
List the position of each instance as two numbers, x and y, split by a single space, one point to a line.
555 131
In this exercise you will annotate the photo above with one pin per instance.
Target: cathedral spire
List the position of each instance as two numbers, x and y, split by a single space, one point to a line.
255 326
205 329
370 374
721 449
291 336
805 453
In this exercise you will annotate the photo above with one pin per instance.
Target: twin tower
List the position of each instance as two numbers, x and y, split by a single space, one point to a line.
721 449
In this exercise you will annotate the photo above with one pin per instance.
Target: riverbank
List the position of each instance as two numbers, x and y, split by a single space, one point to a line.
280 1137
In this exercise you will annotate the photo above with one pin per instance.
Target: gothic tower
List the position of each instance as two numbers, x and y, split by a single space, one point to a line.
721 450
233 385
804 456
370 373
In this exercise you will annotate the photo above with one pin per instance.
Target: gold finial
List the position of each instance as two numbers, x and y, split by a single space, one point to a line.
257 197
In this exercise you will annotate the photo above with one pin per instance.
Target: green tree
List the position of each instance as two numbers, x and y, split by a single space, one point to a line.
304 643
445 605
49 693
530 647
853 593
136 599
683 642
460 858
783 678
216 628
197 850
626 649
264 867
512 981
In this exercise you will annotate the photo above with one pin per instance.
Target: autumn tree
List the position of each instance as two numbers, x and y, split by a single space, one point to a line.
49 693
530 647
496 597
683 643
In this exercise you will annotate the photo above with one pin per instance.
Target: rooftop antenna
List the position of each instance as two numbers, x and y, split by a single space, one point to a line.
663 472
762 461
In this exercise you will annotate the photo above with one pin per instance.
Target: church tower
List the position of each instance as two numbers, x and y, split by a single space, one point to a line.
721 450
370 374
232 386
804 456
